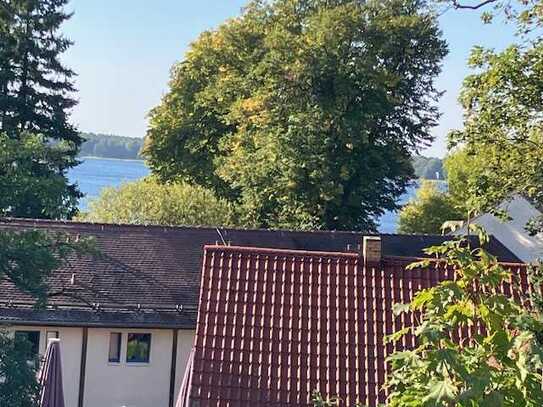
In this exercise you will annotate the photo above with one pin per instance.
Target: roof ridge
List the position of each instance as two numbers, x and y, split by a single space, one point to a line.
266 250
67 223
150 226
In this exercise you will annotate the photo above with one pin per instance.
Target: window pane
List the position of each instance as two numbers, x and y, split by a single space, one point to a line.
114 347
30 340
138 348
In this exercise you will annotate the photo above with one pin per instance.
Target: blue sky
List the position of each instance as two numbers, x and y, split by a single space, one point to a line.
124 50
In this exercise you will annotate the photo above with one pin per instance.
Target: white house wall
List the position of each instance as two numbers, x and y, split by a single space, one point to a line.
118 384
127 385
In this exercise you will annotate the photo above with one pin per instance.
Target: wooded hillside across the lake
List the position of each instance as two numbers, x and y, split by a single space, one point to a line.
128 148
109 146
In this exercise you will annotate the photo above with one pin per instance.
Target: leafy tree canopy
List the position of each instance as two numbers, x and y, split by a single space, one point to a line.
149 202
427 213
503 127
464 174
305 113
31 186
498 153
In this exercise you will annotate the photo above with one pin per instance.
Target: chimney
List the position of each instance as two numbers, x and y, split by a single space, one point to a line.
371 249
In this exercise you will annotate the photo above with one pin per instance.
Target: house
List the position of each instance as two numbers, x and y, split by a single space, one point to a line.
512 233
276 325
127 318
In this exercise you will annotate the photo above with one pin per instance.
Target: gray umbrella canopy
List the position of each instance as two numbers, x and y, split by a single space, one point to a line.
52 394
184 392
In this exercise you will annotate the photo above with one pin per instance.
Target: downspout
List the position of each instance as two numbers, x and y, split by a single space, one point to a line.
83 367
173 367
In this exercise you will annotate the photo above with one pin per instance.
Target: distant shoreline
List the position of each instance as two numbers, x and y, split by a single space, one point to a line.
93 157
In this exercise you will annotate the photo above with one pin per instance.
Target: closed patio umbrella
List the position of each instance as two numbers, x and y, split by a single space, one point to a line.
184 392
52 394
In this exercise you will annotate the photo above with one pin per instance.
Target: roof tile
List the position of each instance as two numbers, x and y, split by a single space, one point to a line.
275 325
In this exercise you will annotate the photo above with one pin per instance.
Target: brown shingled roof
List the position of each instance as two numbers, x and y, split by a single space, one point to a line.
148 273
274 326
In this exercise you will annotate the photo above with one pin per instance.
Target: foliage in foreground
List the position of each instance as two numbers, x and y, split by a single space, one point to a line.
319 400
18 384
306 113
428 211
149 202
499 367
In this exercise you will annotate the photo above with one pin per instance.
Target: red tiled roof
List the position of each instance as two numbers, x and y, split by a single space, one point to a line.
275 325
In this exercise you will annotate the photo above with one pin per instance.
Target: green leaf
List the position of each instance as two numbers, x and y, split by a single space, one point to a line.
396 336
418 264
422 298
441 391
407 356
398 308
494 399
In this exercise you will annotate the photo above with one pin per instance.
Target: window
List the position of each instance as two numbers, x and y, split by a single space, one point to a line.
30 340
138 348
114 347
52 335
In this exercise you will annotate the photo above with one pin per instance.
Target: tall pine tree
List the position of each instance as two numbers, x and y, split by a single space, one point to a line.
36 95
37 146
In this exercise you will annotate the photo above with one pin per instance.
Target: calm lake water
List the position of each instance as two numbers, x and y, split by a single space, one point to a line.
93 174
96 173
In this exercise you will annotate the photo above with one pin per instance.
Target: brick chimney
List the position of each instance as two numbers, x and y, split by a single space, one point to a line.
371 250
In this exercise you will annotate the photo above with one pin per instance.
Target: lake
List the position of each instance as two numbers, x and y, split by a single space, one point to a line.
93 174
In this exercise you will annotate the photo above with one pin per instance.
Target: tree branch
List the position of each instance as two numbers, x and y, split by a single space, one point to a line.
458 5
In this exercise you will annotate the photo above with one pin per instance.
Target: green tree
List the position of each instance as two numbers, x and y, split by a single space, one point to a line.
37 146
427 213
500 366
503 127
498 153
306 113
464 173
19 387
30 184
428 167
109 146
149 202
35 87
